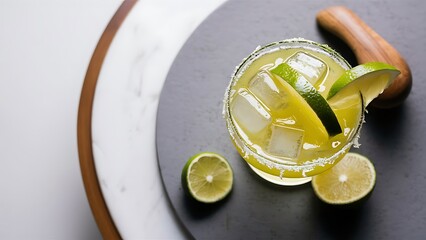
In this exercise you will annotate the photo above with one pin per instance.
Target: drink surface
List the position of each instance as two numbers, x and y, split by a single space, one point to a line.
275 123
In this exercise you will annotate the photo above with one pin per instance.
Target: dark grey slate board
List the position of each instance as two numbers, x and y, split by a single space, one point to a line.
190 120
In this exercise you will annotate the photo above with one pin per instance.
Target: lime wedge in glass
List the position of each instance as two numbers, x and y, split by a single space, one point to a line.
308 92
207 177
352 179
369 79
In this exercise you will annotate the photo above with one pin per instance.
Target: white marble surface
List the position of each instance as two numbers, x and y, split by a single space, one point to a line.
124 113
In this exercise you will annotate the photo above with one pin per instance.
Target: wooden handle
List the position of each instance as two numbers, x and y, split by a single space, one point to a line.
368 46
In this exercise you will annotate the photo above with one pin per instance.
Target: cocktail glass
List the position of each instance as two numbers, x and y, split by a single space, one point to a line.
279 135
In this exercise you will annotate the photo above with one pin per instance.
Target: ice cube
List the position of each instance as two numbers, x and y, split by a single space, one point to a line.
264 88
285 142
309 66
249 113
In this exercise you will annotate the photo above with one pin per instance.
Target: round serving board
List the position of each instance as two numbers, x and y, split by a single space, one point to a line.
190 121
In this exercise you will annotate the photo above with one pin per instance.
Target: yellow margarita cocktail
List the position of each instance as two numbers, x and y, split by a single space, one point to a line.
278 115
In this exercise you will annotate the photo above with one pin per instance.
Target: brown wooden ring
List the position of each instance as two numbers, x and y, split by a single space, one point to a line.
84 125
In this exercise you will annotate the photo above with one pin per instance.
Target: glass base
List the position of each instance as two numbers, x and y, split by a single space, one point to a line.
281 180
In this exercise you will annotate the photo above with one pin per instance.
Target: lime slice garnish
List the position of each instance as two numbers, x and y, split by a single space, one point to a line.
207 177
370 79
352 179
305 89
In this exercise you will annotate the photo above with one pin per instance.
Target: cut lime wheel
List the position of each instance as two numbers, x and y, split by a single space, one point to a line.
369 79
320 106
207 177
352 179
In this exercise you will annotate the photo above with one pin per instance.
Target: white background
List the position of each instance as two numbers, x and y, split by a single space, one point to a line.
45 48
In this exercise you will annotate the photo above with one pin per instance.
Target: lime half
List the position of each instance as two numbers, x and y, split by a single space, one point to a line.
311 96
207 177
369 79
352 179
